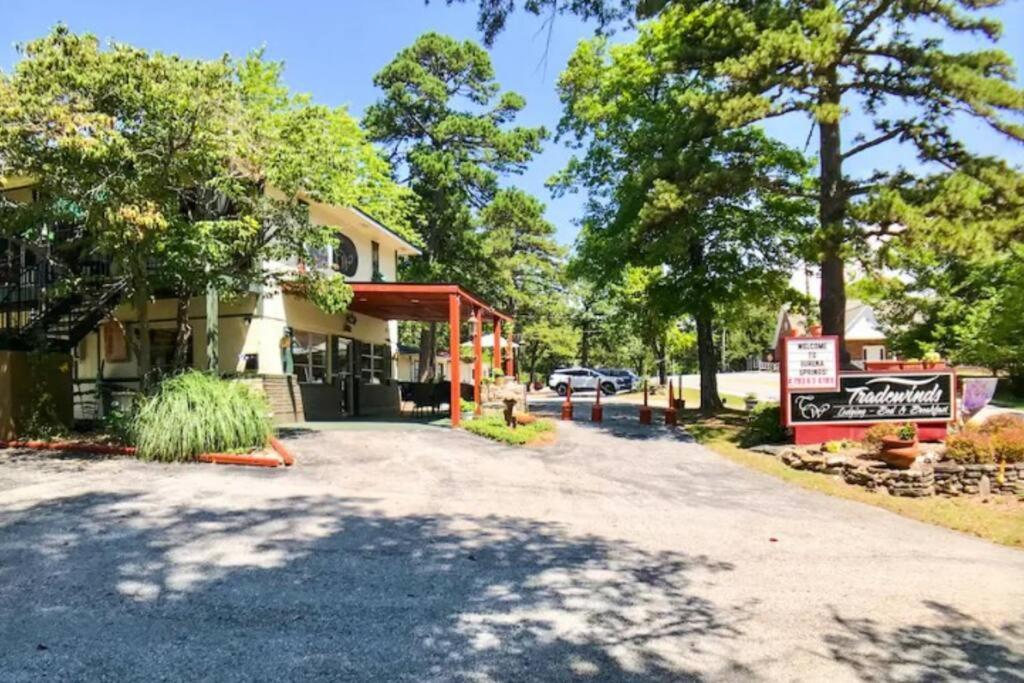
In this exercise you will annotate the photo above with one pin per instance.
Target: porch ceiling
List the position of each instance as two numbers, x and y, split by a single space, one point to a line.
416 301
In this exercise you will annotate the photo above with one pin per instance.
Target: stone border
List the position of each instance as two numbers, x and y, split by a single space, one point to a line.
925 478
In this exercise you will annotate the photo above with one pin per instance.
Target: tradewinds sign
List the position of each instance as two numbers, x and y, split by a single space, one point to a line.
876 397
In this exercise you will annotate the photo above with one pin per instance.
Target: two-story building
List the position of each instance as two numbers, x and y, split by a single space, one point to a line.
312 365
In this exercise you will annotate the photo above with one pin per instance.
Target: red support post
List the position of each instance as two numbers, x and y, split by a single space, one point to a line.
567 403
496 347
455 396
510 367
597 410
645 411
670 412
478 355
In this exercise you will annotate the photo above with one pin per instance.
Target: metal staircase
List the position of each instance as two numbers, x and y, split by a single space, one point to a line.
49 299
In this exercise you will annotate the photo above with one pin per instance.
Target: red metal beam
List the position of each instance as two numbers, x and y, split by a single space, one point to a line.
496 348
510 358
454 321
478 365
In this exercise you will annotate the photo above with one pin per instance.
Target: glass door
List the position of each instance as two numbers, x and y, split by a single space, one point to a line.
342 358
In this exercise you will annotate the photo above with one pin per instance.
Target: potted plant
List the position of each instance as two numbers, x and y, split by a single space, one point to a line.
750 401
814 330
900 448
931 359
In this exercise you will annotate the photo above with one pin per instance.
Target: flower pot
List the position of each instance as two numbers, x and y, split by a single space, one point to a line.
814 330
899 452
750 403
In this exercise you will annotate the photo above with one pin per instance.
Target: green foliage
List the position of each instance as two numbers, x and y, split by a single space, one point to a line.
196 413
764 426
442 115
494 427
716 219
119 421
467 407
184 173
906 431
969 447
328 291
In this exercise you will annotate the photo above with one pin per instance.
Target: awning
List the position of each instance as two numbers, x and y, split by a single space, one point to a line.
417 301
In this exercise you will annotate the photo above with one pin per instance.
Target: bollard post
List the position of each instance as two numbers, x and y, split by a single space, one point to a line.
645 411
596 410
567 403
670 412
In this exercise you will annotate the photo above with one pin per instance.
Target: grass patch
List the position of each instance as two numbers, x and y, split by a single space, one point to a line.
494 427
1000 520
196 413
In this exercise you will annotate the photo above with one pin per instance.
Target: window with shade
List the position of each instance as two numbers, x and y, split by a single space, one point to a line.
309 351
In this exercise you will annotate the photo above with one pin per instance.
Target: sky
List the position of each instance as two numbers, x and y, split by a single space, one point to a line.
332 49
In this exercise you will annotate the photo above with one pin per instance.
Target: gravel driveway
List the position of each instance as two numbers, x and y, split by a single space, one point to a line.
419 554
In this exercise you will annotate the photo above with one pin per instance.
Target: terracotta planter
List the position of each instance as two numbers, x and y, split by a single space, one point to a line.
814 330
899 452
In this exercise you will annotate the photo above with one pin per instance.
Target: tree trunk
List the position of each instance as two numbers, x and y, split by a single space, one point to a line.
710 401
659 350
183 337
428 352
832 214
142 352
585 347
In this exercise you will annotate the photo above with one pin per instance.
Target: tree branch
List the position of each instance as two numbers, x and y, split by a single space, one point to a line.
894 133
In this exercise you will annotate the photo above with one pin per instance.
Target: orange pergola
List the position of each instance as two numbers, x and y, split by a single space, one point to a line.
449 303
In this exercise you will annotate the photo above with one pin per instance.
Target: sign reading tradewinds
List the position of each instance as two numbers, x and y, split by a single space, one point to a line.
876 397
812 363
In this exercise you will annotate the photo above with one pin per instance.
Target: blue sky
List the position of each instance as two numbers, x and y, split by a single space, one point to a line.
332 49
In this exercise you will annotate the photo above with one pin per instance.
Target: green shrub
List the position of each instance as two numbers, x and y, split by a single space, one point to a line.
467 406
494 427
875 433
1008 444
764 426
906 431
1001 422
970 446
196 413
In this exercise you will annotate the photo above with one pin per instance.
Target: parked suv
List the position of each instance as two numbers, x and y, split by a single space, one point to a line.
627 380
582 379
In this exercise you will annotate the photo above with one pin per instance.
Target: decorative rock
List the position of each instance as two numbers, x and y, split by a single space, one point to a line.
985 486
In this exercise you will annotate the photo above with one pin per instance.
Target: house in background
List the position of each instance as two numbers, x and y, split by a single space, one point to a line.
864 338
312 365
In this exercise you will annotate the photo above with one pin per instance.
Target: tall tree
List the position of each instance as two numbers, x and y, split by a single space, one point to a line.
447 126
886 59
162 165
715 215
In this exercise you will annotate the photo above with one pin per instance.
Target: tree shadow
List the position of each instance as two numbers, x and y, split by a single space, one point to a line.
130 586
953 646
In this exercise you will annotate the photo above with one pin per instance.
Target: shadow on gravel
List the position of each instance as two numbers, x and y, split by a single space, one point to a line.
957 648
131 587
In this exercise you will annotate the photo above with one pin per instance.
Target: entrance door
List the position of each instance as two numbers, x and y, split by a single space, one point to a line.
343 373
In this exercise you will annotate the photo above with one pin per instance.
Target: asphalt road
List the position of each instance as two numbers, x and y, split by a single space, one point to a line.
418 554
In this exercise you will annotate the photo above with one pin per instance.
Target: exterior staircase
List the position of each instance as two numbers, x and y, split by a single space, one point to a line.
51 301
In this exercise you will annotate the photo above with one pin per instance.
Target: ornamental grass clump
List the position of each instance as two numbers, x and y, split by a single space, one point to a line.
196 413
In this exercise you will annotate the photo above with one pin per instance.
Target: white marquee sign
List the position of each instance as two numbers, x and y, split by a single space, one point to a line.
812 363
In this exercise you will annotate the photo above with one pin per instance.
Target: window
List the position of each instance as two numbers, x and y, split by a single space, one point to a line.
374 363
161 350
375 257
309 351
